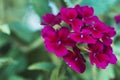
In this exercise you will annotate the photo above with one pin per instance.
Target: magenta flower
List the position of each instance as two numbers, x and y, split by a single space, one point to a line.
110 32
109 51
84 11
117 18
88 21
87 11
51 20
75 60
97 55
56 41
76 26
98 30
68 14
82 37
101 55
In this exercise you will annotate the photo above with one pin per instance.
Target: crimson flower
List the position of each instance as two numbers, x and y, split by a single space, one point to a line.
56 41
79 26
75 60
101 55
69 15
51 20
82 37
84 11
117 18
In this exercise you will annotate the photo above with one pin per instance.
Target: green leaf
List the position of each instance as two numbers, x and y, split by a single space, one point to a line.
5 29
100 6
1 12
107 74
14 10
118 30
5 61
4 39
116 49
59 72
41 6
59 3
90 71
16 77
40 77
17 66
21 31
54 75
72 3
41 66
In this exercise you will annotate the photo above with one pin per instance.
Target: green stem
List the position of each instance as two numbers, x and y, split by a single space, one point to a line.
37 43
94 73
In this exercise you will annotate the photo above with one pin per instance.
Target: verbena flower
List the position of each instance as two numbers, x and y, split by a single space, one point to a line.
117 18
101 55
75 60
56 41
71 27
51 20
82 37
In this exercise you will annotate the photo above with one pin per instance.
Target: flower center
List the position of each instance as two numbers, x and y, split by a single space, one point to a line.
95 54
71 19
59 42
94 28
76 59
81 35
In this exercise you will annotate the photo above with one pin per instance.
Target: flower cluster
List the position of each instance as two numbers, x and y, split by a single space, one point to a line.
73 26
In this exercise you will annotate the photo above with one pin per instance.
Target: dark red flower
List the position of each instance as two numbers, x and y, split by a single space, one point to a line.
51 20
98 29
84 11
68 14
110 32
101 55
79 25
82 37
117 18
75 60
57 40
108 50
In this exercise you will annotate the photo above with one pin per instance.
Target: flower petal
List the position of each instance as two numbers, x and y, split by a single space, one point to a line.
60 51
117 18
89 40
96 34
76 25
107 41
51 20
75 62
88 11
69 42
111 32
103 60
50 46
63 32
68 14
113 59
48 33
76 37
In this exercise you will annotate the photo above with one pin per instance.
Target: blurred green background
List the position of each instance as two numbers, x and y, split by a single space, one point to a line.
22 53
